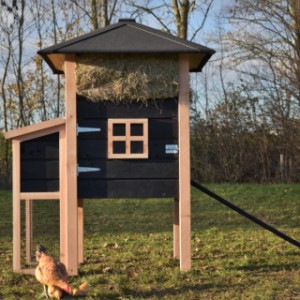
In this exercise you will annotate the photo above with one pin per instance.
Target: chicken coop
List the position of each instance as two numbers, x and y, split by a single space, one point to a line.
125 134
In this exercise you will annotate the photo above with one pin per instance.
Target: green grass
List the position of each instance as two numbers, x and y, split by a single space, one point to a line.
128 248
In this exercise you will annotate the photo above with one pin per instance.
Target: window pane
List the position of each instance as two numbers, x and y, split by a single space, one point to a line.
119 147
136 130
137 147
119 130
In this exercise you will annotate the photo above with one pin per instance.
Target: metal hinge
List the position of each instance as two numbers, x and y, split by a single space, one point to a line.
87 129
172 149
86 169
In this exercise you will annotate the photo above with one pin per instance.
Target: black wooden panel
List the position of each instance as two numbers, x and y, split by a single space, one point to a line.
163 129
158 129
40 164
39 169
97 149
39 185
128 169
45 147
105 109
157 149
128 189
91 148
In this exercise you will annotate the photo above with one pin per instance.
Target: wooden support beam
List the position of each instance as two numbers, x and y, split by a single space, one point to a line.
176 246
69 201
80 232
28 217
27 271
184 164
35 130
62 189
40 196
16 206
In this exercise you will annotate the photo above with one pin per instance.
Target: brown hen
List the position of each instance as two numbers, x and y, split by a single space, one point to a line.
52 274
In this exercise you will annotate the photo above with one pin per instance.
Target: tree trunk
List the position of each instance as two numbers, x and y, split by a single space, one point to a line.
295 14
104 13
181 13
19 75
94 20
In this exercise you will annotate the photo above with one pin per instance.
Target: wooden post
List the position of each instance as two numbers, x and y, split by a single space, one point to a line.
176 246
69 201
16 206
184 164
62 195
80 232
28 205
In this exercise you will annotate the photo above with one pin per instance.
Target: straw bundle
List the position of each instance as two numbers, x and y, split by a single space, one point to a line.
127 77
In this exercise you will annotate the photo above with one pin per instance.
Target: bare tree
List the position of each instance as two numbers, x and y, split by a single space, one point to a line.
99 12
181 13
263 43
19 13
173 16
40 86
6 56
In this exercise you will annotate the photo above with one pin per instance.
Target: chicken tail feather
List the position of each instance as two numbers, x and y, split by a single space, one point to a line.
81 290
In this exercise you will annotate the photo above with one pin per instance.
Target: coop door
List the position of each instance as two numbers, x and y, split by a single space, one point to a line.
39 225
127 138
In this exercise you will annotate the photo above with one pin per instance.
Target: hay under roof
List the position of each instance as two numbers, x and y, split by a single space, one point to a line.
127 77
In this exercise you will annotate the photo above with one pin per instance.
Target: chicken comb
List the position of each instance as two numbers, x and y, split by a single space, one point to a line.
41 248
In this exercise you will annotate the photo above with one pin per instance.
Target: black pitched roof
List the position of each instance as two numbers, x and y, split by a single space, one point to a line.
128 37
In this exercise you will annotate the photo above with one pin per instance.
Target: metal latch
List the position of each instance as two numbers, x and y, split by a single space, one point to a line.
86 169
172 149
87 129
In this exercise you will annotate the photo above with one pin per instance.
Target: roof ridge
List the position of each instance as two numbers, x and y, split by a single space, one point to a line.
81 38
164 37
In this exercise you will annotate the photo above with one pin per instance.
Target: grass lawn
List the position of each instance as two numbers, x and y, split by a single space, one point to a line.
128 248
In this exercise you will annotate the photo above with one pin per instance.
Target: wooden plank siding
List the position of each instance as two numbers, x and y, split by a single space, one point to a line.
156 176
139 188
40 156
109 109
40 164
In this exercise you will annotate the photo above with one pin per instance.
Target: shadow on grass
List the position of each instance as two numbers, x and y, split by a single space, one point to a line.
135 293
185 291
268 267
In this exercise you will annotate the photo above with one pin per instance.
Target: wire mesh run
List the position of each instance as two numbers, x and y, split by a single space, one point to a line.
40 224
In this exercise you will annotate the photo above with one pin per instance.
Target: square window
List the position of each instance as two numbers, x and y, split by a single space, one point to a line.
136 130
119 147
127 138
119 130
137 147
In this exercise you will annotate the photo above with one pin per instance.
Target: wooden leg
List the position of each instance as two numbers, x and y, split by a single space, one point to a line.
62 199
63 231
80 232
28 216
184 164
70 186
176 247
185 234
16 207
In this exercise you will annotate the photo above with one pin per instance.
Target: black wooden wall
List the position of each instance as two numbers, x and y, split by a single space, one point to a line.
40 164
156 176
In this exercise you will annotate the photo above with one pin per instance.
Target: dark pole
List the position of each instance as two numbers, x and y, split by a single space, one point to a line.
244 213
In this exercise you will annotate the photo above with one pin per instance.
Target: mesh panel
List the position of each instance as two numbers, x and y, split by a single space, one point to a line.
40 224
